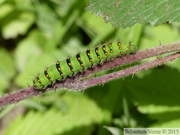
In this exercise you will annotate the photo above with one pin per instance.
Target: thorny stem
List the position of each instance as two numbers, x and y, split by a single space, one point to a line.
74 84
128 71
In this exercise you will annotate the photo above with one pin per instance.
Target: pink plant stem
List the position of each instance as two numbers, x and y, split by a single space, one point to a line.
128 71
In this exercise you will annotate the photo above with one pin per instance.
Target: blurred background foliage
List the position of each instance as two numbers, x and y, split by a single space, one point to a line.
34 34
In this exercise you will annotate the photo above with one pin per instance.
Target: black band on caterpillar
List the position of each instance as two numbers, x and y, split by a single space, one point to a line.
59 68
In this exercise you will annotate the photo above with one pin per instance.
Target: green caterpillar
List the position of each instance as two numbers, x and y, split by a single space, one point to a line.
80 62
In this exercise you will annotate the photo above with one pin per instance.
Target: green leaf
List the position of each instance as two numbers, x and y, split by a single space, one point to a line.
7 68
157 93
80 116
113 130
5 10
17 25
169 124
163 34
160 87
45 18
1 1
123 13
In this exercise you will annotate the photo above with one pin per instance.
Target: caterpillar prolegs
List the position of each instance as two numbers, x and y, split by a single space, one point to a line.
80 62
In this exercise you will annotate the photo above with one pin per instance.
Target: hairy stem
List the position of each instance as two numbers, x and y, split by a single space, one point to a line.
128 71
73 83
